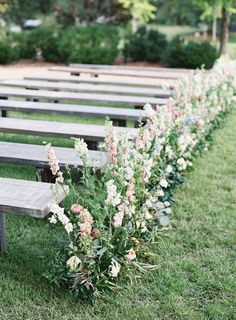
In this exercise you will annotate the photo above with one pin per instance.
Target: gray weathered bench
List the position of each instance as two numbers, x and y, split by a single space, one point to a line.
116 72
35 155
109 81
85 97
90 88
26 198
92 134
128 67
119 116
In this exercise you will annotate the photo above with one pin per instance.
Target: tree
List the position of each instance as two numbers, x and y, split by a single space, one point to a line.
142 11
225 9
17 10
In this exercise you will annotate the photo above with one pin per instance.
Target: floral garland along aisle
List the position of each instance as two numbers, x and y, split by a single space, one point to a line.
115 216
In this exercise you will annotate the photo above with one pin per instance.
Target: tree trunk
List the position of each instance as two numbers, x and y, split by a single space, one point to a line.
214 23
224 32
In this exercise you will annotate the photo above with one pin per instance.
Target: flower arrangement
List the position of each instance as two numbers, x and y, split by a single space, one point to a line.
113 218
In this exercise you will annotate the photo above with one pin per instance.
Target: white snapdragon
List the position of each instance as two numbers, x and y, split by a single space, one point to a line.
114 268
182 165
73 262
81 147
113 197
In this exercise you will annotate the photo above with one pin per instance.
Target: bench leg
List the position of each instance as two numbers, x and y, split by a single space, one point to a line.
44 175
75 74
3 239
4 113
92 145
119 123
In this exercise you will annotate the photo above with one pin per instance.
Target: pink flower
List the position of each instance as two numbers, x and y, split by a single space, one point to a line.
117 219
52 160
131 255
76 208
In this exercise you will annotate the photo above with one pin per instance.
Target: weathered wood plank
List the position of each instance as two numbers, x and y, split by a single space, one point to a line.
148 83
117 72
35 155
72 109
29 197
72 96
88 132
128 67
112 89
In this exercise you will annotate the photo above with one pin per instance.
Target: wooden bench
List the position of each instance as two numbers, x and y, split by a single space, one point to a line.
109 81
116 72
119 116
35 155
92 134
26 198
29 84
127 67
85 97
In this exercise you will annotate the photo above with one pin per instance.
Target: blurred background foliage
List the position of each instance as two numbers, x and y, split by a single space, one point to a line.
169 32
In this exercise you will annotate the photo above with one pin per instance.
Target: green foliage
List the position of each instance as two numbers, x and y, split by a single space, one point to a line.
89 44
181 54
6 52
140 10
26 43
48 42
145 45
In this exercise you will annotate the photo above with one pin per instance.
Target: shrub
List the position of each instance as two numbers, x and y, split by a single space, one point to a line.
174 54
48 42
6 52
89 44
189 54
145 45
198 54
26 43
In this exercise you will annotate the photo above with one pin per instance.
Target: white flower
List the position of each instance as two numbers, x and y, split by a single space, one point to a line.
163 183
113 197
149 111
69 227
53 219
182 165
168 210
114 268
81 147
73 262
169 168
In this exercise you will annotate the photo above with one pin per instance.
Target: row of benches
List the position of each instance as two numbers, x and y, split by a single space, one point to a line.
34 198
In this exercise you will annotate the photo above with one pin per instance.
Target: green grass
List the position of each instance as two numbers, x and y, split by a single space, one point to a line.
196 272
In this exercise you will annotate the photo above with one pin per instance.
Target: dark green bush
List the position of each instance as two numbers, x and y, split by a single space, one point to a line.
48 43
89 44
198 54
26 43
181 54
145 45
6 52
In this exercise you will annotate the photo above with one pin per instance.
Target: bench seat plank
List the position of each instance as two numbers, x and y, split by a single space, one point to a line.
72 109
117 72
112 89
127 67
73 96
88 132
35 155
28 197
109 81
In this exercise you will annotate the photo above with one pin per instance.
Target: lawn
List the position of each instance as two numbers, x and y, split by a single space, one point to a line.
196 274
